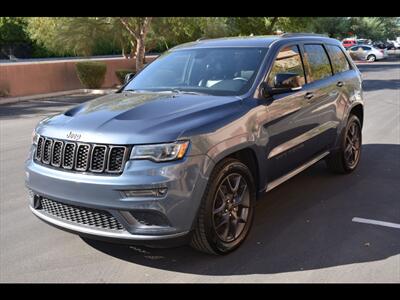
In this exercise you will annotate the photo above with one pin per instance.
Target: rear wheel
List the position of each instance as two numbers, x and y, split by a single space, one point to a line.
346 159
226 212
371 57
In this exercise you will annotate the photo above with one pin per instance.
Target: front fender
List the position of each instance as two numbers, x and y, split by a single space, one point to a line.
228 146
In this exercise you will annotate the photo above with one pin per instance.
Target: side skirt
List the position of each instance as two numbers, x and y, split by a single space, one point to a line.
273 184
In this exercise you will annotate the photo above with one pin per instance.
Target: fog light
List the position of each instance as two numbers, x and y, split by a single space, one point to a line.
157 192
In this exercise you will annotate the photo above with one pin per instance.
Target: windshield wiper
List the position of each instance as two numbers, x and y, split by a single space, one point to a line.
178 91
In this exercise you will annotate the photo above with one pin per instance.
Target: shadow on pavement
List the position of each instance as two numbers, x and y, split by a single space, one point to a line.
384 84
304 224
378 67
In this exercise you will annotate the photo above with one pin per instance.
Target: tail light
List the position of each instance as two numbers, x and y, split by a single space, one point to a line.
382 51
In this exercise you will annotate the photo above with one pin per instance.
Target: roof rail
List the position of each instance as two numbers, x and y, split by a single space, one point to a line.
302 34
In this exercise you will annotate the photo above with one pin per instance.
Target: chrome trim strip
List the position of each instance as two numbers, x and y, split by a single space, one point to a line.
103 233
280 180
302 138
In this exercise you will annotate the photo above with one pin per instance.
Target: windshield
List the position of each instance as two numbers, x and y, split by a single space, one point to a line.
214 71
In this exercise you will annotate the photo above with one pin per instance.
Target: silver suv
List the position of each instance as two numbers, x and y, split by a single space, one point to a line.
183 150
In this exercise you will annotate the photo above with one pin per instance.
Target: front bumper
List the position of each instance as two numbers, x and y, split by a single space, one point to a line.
185 181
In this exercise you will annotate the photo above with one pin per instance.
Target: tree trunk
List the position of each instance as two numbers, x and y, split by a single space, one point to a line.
133 49
271 26
139 32
140 42
140 51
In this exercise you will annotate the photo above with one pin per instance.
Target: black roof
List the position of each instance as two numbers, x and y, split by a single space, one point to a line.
248 41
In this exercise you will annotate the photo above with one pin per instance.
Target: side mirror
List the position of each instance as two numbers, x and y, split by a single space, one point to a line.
128 77
283 83
286 80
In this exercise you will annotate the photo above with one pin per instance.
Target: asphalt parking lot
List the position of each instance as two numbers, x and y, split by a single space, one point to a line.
304 230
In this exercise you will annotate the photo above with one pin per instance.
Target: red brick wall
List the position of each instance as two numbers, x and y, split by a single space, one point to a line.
30 78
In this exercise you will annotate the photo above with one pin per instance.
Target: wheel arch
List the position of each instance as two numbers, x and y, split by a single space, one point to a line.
357 110
248 157
243 152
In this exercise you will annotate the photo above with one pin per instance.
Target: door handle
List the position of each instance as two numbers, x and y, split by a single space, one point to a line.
340 83
308 95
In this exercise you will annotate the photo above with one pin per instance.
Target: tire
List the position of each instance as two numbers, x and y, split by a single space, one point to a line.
338 161
209 233
371 57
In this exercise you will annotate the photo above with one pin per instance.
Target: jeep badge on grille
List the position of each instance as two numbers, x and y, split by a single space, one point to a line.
73 136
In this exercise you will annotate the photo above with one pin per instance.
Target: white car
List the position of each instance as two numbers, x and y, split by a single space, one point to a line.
367 52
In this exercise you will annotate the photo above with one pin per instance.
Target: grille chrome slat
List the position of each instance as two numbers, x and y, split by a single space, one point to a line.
115 159
81 215
47 151
68 155
81 157
98 159
39 149
57 153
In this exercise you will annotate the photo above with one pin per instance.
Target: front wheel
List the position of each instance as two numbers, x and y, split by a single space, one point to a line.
346 159
226 212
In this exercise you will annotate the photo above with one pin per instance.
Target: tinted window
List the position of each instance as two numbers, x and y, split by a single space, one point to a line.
288 60
215 71
316 62
354 48
338 60
366 48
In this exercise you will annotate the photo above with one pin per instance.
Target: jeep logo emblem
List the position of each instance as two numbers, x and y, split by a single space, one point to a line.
73 136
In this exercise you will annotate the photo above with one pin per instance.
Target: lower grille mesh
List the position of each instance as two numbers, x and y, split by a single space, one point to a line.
81 215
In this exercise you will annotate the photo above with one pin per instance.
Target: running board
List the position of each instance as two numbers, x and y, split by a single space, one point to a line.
280 180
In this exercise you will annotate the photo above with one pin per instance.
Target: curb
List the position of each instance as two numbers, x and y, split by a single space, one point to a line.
8 100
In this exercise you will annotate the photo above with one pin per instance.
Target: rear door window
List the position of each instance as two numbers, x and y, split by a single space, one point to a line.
316 62
338 59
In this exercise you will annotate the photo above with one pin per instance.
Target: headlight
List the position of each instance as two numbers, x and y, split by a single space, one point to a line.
35 137
160 152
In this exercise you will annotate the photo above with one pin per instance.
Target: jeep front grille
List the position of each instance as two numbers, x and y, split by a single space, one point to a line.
80 215
81 157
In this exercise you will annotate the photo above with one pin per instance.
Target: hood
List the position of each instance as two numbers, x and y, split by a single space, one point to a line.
139 118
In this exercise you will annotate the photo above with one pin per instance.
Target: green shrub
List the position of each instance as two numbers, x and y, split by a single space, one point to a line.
91 73
121 73
3 92
4 89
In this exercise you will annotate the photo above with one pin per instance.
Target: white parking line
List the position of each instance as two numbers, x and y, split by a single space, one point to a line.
375 222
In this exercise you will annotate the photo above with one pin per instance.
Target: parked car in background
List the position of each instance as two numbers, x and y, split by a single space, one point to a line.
383 45
364 42
182 152
367 52
347 43
395 43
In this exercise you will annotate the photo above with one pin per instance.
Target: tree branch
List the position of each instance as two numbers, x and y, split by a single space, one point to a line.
125 22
